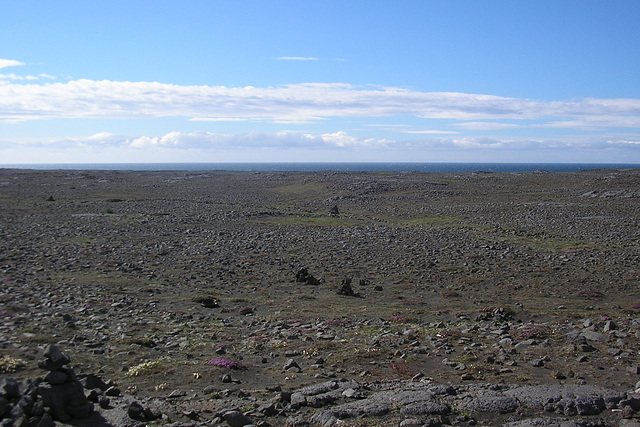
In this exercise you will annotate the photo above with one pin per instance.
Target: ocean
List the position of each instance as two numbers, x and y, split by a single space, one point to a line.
346 166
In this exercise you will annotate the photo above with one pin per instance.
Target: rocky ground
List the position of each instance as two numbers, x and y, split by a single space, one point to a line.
325 298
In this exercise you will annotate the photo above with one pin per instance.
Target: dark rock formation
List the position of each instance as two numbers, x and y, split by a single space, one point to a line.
58 396
346 289
303 276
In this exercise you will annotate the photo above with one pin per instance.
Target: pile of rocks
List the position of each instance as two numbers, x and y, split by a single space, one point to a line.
58 396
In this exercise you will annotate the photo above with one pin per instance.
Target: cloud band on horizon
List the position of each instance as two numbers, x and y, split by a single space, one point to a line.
298 103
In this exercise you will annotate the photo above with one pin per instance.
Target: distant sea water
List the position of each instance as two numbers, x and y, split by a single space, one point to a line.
345 166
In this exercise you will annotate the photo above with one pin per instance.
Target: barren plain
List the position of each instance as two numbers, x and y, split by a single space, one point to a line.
291 298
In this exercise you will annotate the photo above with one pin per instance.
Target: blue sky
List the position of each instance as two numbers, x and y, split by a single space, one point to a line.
421 81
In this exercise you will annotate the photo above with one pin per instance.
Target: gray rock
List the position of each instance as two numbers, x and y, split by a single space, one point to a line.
104 402
488 401
594 336
584 398
351 393
10 387
414 402
112 391
45 421
136 411
297 400
4 406
237 419
324 387
56 377
323 419
544 422
320 400
610 325
291 364
269 409
54 359
425 408
65 400
443 389
411 422
92 381
537 362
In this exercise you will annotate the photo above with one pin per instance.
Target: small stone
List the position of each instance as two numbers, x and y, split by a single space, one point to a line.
627 412
193 415
345 288
594 336
54 359
104 402
291 364
4 406
411 422
152 412
46 421
208 302
136 411
236 419
245 311
112 391
585 348
56 377
11 387
94 395
417 376
268 409
82 410
538 363
92 381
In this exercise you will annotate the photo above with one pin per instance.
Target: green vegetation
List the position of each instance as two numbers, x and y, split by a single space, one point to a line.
435 221
301 189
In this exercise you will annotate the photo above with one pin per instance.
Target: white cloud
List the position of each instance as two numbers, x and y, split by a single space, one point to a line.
299 146
299 103
624 142
486 125
217 119
429 132
10 63
343 139
595 122
208 140
17 77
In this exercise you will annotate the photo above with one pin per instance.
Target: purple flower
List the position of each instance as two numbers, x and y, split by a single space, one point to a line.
224 362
